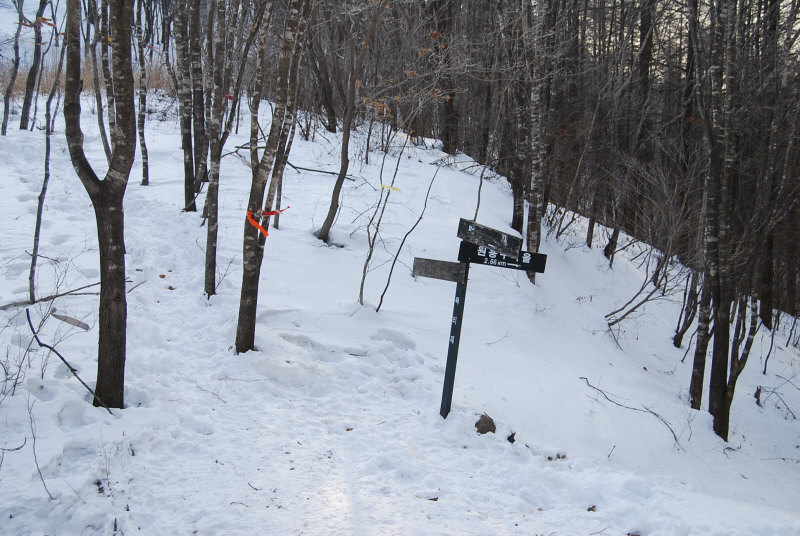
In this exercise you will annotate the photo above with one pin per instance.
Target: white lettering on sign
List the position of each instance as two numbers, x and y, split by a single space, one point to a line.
452 339
526 257
455 320
458 300
481 251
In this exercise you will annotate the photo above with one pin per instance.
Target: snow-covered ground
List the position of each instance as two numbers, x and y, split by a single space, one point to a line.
333 426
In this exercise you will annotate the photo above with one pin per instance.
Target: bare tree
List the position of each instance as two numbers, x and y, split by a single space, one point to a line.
142 38
106 194
223 110
297 15
356 57
14 66
33 73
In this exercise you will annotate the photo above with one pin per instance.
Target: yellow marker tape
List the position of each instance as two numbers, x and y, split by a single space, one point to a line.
391 188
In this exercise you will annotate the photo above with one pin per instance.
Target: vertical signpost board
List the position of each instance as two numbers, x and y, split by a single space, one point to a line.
480 245
452 347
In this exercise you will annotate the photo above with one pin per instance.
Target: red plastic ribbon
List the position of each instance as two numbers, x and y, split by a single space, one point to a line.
257 225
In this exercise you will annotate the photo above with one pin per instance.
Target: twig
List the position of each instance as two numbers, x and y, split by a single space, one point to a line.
140 283
335 173
224 274
70 367
4 450
42 256
498 340
645 410
785 405
35 459
24 440
402 242
47 298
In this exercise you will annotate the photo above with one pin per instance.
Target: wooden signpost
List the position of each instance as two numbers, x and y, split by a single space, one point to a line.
480 245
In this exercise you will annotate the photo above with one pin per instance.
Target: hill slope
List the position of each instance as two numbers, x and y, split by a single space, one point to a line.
333 426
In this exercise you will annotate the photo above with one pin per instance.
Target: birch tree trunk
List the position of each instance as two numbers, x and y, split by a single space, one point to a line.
183 76
198 106
141 39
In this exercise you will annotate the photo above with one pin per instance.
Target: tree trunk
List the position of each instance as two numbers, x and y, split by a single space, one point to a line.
113 304
218 108
106 38
14 68
198 107
106 194
700 350
40 205
33 73
91 45
254 242
141 39
349 114
183 76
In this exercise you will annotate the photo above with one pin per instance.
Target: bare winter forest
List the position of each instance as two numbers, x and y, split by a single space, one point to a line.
670 123
283 163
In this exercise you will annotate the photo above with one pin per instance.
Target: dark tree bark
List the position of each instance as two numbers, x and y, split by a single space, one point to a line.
45 182
224 57
14 68
92 17
356 63
33 73
106 38
106 194
297 16
442 13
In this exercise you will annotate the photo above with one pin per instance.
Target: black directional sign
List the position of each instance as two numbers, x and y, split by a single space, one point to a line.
493 239
480 245
444 270
529 262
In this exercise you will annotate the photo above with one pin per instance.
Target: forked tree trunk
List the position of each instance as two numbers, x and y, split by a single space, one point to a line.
106 194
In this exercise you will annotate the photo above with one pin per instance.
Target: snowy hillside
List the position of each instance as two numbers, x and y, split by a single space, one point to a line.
333 427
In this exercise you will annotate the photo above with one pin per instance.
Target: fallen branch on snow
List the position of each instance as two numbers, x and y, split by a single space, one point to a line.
72 369
643 410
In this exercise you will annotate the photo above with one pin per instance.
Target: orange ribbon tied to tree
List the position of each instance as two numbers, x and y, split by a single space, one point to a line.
260 214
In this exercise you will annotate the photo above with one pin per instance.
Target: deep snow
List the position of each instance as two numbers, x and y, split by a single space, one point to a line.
333 426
